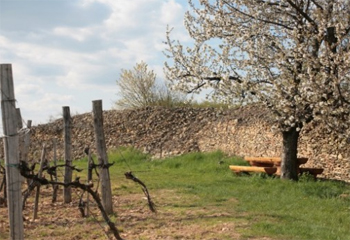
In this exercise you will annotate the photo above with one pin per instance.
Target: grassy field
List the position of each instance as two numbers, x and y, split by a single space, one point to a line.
198 197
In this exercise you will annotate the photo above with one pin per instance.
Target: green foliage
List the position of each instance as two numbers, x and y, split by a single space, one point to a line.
128 155
138 88
262 206
325 189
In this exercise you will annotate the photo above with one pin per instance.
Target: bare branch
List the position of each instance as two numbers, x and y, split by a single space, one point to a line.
304 14
75 184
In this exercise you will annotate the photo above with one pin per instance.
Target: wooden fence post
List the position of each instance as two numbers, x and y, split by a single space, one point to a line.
26 141
26 145
20 137
67 153
55 187
13 177
106 191
89 179
37 194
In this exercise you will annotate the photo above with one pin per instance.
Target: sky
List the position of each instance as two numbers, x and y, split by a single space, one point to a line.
71 52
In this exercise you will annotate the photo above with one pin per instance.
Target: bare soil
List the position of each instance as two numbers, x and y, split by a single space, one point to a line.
177 217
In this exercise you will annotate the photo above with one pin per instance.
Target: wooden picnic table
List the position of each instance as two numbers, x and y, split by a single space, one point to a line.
272 165
270 161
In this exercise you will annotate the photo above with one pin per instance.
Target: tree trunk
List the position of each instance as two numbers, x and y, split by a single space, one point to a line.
289 166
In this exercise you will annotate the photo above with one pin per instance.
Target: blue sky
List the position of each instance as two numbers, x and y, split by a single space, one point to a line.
69 53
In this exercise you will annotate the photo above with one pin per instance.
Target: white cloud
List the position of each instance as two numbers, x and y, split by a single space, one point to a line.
41 106
79 34
172 12
74 55
28 89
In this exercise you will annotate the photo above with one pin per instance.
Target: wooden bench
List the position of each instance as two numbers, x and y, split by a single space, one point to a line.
272 165
246 169
312 171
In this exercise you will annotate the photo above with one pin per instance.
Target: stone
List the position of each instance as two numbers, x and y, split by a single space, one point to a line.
164 132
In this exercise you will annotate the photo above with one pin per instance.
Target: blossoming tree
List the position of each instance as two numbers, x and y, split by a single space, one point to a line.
291 55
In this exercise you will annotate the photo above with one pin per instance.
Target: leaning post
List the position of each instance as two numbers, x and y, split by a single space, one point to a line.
106 191
11 152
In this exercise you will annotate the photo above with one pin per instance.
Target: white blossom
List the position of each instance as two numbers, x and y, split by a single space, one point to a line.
293 56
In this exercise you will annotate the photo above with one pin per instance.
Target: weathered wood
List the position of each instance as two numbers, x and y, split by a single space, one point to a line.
26 144
238 169
89 180
67 153
55 187
3 185
26 141
37 194
20 136
11 153
106 191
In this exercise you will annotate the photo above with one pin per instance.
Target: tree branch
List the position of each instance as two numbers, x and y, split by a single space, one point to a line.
304 14
259 19
209 79
317 5
151 204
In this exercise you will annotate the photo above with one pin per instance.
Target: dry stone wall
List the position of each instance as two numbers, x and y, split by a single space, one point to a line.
163 132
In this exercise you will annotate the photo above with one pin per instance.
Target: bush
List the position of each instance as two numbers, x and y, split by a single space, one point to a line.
138 88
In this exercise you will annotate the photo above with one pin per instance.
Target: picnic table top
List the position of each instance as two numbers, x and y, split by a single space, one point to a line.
301 160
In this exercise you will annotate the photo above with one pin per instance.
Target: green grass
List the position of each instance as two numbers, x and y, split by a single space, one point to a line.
263 206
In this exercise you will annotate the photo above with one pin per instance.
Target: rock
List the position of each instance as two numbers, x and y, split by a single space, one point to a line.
164 132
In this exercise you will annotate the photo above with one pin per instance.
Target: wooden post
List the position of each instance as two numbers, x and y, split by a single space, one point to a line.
67 153
89 180
106 191
20 137
13 177
55 187
26 141
26 144
37 194
3 184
